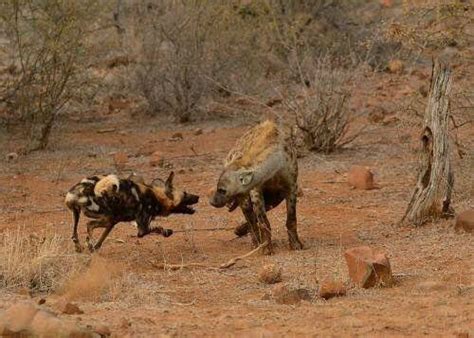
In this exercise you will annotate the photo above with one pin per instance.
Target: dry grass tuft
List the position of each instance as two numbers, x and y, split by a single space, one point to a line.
39 263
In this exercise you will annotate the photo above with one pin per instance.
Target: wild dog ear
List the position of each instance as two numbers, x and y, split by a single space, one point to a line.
246 177
169 184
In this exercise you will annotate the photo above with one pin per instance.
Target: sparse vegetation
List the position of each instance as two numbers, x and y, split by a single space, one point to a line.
37 263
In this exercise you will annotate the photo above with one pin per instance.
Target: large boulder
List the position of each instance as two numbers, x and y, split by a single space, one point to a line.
368 268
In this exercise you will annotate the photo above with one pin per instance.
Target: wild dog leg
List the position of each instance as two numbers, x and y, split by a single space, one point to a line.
75 237
91 225
291 224
247 210
108 228
143 224
263 224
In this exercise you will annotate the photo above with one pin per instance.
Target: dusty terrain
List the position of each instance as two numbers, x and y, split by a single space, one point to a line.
123 288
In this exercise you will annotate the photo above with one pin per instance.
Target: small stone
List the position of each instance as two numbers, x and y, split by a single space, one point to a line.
197 131
156 159
361 178
270 274
177 136
120 160
330 288
290 295
103 330
10 157
395 66
68 308
41 301
465 221
368 268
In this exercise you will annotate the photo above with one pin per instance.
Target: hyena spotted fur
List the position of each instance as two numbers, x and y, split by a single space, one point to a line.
109 200
259 173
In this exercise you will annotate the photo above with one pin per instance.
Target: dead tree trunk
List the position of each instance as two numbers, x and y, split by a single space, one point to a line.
432 195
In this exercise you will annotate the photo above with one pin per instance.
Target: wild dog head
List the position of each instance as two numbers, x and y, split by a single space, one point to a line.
174 201
231 184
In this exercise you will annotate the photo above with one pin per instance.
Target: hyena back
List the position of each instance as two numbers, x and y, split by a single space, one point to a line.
259 173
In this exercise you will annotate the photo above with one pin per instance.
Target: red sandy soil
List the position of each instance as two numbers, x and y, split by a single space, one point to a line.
433 265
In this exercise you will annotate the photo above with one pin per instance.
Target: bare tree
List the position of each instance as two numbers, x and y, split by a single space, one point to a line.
47 39
432 195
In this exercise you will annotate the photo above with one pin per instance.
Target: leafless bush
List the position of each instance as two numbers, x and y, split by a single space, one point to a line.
37 263
47 40
321 112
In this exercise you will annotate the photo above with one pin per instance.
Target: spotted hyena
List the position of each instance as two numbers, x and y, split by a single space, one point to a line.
260 172
109 200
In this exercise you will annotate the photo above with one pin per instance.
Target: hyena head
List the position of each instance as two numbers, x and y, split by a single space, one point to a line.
174 200
232 183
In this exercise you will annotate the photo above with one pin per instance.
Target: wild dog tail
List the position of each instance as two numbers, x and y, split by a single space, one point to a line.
109 183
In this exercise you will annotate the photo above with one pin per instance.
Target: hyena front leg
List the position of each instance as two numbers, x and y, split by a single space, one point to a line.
263 225
247 210
291 223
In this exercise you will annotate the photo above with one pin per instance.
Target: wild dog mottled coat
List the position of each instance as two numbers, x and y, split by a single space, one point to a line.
110 200
259 173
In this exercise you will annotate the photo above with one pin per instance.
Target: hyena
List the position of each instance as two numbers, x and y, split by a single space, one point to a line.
259 173
109 200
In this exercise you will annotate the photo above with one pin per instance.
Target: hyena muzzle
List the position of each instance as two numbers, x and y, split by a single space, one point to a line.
109 200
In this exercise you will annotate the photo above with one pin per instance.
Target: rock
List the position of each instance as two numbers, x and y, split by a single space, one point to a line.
41 301
197 131
10 157
156 159
386 3
120 160
368 268
17 318
395 66
465 221
270 274
289 295
68 308
360 178
27 319
103 330
46 324
330 288
177 136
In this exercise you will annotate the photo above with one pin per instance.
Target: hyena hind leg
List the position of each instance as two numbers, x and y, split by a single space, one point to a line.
291 223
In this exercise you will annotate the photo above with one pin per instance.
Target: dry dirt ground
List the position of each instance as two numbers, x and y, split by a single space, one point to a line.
123 288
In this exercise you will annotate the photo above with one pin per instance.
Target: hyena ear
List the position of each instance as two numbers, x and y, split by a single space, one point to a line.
169 184
246 177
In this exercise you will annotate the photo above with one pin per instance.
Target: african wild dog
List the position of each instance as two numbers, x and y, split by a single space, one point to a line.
110 200
260 172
